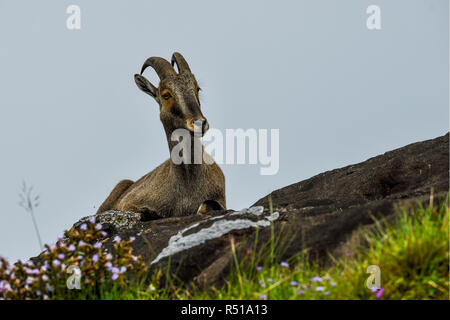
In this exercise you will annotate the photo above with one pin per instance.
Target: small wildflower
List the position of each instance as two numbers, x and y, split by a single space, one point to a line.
83 227
294 283
56 263
284 264
123 269
115 276
326 293
61 256
98 227
132 238
109 256
374 289
299 292
316 279
259 268
81 243
92 220
263 296
95 258
98 245
71 248
269 280
333 284
379 293
320 288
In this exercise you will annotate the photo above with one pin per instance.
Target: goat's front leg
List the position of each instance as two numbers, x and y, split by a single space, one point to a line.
209 205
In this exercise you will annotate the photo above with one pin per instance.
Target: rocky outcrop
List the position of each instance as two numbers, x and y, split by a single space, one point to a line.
320 213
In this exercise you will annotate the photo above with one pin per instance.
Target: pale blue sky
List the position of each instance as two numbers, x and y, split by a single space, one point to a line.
73 123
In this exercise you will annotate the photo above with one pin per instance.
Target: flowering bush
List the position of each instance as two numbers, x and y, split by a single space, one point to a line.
80 257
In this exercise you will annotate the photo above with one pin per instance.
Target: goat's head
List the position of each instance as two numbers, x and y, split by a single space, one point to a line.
177 94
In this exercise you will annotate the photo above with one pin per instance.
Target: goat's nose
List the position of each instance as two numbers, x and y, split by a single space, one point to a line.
201 123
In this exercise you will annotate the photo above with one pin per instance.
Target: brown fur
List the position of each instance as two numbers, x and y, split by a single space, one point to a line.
170 189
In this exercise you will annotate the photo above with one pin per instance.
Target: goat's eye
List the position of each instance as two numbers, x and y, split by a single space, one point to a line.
198 89
167 96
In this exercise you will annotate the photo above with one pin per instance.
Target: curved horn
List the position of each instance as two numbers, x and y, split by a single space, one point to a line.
181 63
161 66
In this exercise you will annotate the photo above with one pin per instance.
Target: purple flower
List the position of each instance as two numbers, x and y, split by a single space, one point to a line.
123 269
270 280
109 256
299 292
114 276
71 247
326 293
316 279
320 288
98 226
259 268
284 264
374 289
45 277
61 256
115 270
333 284
95 258
132 239
294 283
81 243
98 245
92 220
263 296
56 263
108 265
117 239
83 227
379 293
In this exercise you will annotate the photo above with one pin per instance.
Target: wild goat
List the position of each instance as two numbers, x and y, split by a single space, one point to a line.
173 189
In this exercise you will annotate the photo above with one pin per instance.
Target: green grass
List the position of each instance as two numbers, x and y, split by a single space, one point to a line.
412 252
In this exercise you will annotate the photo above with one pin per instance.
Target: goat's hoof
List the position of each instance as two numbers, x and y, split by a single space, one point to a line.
209 205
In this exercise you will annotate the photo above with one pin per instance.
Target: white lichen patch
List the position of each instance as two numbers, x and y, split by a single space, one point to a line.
179 242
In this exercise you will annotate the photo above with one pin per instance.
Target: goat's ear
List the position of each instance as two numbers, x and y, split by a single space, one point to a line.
145 85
